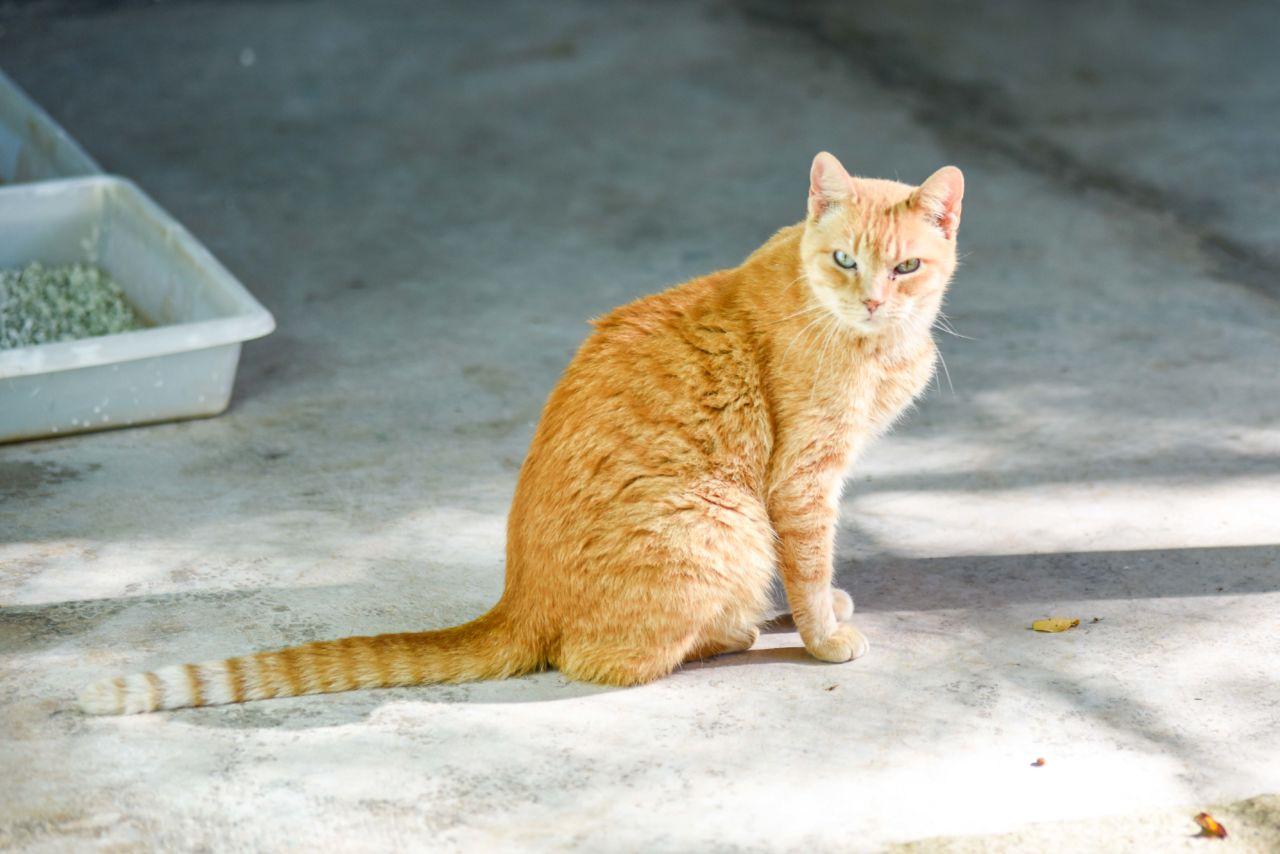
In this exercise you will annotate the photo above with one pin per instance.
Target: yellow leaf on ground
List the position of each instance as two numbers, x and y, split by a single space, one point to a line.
1209 826
1055 624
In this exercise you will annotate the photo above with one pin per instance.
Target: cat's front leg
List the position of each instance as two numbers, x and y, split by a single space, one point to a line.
804 519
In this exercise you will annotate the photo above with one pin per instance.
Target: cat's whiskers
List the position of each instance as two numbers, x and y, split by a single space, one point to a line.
945 370
943 323
942 327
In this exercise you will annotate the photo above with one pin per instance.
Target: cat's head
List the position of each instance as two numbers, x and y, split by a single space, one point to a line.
878 254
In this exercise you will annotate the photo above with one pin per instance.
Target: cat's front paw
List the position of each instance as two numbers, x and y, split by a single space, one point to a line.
844 644
842 604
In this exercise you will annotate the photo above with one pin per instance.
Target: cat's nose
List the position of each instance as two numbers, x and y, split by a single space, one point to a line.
872 305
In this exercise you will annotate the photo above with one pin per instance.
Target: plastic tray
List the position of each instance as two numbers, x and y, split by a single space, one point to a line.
183 367
32 146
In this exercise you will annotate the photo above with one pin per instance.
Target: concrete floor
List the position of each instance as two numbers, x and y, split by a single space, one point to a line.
432 203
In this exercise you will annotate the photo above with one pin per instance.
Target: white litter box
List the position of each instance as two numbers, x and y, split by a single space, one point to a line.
32 146
182 367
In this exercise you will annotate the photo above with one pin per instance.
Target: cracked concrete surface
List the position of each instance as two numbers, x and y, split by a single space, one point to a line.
432 203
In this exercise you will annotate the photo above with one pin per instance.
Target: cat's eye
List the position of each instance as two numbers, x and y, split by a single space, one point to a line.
909 266
844 259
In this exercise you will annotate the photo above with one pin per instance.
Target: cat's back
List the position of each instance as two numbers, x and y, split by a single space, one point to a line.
668 380
657 319
707 312
658 341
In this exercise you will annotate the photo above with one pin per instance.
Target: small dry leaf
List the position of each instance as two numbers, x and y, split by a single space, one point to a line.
1055 624
1039 763
1209 826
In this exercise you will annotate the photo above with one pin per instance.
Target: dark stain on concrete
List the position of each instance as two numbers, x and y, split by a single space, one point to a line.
39 627
559 50
496 428
978 115
35 480
28 628
495 380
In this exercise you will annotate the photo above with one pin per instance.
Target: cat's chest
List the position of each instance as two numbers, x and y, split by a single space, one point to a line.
880 393
871 375
823 424
871 399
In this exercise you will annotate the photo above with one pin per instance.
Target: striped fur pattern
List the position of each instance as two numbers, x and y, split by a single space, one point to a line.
694 449
469 652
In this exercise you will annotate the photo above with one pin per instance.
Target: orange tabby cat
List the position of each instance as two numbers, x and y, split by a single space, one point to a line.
698 440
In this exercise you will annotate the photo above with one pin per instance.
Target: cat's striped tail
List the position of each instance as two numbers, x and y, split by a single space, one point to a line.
486 648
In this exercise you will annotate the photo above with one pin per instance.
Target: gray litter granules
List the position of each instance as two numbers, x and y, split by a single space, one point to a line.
40 305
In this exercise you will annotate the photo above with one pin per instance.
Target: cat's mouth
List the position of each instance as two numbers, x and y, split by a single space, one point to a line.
883 320
867 322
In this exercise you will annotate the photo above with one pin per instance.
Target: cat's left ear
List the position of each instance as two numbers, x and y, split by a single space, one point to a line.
940 198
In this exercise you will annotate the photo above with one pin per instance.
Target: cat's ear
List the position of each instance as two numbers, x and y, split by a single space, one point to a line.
829 184
940 198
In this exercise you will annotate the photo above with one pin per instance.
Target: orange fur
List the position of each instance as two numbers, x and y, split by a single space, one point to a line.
697 442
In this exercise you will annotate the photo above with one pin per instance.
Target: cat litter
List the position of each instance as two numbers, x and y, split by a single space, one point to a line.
66 302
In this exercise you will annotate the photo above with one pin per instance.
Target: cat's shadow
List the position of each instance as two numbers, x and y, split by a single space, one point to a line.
330 710
791 654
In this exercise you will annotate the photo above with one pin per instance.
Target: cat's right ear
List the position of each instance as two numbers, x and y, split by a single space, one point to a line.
940 197
829 184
